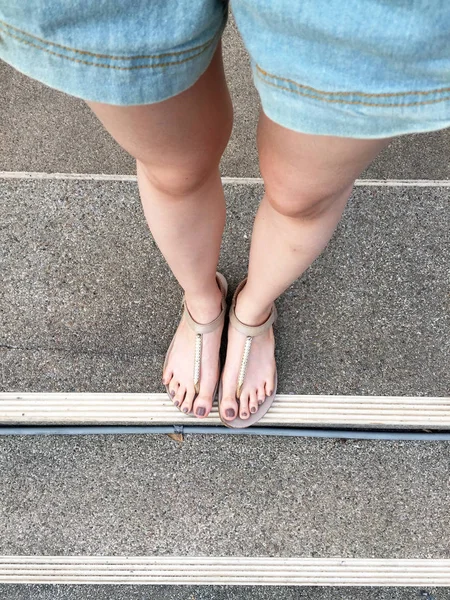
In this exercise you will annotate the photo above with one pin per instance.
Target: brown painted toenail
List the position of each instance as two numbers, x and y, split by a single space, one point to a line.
177 403
172 393
244 414
229 413
185 410
253 409
201 411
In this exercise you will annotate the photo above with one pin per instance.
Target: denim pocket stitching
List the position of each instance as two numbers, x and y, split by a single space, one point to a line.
94 55
316 94
106 66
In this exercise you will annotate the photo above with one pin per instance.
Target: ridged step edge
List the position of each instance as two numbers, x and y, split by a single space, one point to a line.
291 410
175 570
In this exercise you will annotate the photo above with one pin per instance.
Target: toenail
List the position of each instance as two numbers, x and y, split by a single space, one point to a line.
229 412
201 411
177 403
172 393
244 414
185 410
253 409
260 402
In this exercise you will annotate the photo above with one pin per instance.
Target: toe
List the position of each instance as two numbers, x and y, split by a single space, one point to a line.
202 405
269 387
244 411
186 407
261 395
253 403
167 376
228 407
179 397
173 389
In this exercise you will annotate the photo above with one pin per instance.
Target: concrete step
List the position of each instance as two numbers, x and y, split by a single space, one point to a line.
85 308
12 592
88 304
62 135
129 592
152 496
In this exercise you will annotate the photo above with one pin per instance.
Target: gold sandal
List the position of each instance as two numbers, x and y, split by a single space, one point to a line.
250 332
199 330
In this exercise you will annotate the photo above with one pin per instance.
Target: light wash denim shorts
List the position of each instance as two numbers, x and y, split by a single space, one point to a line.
353 68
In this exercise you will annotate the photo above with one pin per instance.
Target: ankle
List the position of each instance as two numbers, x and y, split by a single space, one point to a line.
250 311
204 305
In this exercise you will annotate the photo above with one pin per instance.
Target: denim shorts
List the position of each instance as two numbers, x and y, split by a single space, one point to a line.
353 68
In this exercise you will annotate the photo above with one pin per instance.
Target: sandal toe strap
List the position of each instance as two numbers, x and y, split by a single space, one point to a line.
250 332
197 361
243 367
200 329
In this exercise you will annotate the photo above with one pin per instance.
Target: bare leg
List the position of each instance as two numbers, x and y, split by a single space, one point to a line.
178 144
308 180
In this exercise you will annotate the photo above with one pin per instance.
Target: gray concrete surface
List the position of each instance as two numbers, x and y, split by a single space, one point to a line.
145 495
215 593
45 130
87 303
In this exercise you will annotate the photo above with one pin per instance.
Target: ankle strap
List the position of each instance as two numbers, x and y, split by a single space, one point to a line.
218 321
250 330
207 327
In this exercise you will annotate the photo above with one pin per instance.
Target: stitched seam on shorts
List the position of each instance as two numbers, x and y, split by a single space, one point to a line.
362 94
343 101
105 66
87 53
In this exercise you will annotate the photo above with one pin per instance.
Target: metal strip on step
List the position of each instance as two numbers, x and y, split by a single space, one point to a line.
364 412
225 180
181 430
224 570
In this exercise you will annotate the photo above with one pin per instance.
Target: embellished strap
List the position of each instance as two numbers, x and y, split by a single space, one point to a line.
200 329
197 361
243 368
249 331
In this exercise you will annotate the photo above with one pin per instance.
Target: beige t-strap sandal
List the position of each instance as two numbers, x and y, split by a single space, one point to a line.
250 332
199 330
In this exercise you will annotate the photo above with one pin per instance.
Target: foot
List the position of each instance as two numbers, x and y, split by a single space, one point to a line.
260 377
179 371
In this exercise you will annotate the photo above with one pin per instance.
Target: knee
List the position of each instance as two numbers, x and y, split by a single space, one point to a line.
296 194
185 172
178 181
301 202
